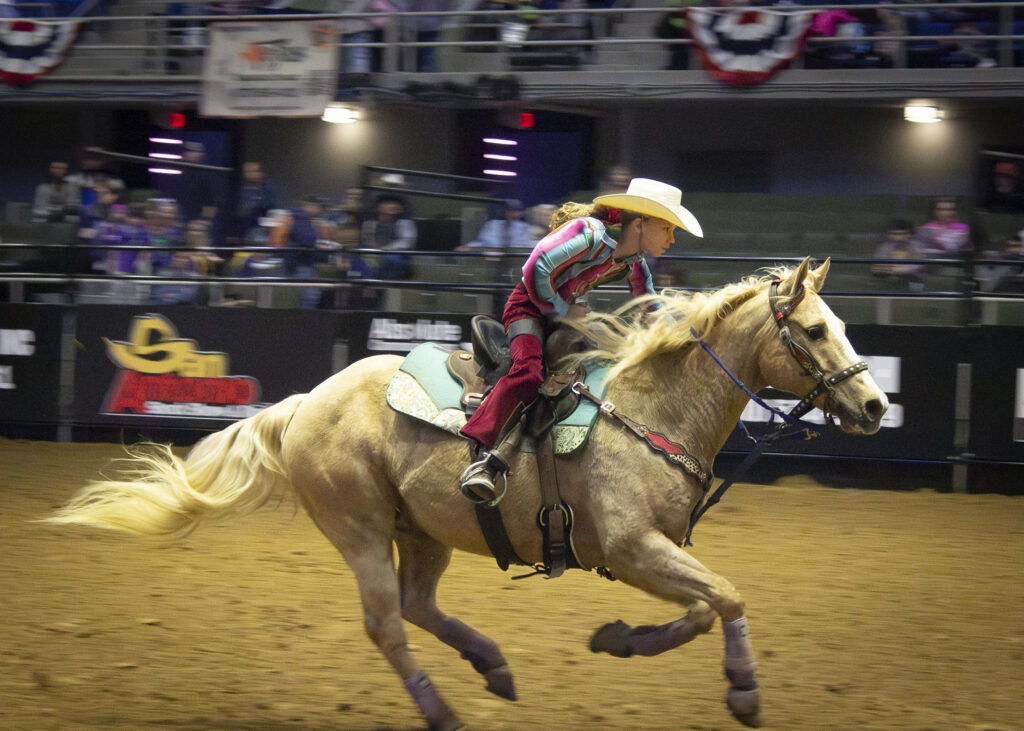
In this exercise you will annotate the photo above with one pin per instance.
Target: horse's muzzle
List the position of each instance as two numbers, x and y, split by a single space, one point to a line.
863 418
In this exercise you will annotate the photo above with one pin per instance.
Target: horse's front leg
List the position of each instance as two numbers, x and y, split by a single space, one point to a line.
659 567
621 640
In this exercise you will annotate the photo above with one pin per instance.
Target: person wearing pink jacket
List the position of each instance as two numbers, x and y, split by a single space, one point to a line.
599 243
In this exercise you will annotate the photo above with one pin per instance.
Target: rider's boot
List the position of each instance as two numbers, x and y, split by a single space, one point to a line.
477 482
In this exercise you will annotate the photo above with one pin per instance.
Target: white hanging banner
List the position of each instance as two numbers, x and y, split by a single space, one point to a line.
1018 408
269 69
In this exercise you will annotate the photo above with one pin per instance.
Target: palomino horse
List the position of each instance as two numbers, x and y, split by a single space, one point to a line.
372 478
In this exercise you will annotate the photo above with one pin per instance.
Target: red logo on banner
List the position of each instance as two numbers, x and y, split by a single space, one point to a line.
162 374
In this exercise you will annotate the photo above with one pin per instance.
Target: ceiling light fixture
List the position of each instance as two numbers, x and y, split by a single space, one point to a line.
922 113
338 114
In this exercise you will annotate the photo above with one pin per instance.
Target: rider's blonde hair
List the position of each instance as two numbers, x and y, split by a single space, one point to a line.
569 211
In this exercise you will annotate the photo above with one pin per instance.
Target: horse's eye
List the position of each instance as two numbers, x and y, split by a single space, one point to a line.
816 332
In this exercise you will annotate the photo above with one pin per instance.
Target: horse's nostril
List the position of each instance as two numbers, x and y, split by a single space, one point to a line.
873 408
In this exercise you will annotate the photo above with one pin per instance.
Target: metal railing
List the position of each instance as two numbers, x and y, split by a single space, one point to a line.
153 47
478 282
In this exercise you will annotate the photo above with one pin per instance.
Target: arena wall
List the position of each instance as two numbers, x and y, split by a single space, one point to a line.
957 394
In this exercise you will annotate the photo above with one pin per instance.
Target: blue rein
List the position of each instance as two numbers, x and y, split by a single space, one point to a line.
801 430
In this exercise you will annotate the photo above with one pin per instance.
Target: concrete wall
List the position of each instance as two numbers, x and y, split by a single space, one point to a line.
310 156
809 147
814 148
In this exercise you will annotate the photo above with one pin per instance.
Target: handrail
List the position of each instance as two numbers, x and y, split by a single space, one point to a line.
277 280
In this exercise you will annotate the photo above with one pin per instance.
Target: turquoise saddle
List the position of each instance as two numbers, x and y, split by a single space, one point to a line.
425 388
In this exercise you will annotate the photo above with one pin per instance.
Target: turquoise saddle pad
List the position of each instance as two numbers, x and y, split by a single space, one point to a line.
423 389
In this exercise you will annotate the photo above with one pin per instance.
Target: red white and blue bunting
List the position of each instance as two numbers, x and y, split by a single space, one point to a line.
32 48
744 46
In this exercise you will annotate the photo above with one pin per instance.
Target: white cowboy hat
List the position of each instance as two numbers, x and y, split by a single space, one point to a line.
652 198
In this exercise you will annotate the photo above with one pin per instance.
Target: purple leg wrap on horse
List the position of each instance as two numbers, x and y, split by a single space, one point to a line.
473 646
435 710
621 640
744 697
739 654
482 653
422 691
654 640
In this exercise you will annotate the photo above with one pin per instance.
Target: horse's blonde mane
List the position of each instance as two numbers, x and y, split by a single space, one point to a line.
633 333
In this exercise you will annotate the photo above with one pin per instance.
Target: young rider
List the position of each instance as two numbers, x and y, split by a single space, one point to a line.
599 243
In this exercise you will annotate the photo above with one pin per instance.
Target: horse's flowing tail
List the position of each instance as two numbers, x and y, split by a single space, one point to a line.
231 472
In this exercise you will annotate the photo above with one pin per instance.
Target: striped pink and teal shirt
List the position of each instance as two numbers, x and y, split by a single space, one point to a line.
575 258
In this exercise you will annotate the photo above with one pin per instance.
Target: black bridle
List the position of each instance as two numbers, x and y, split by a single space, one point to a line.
781 310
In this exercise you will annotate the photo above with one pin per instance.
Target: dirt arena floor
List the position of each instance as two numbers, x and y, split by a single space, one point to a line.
868 609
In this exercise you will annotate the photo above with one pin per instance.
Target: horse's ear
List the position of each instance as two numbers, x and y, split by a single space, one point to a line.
816 278
790 286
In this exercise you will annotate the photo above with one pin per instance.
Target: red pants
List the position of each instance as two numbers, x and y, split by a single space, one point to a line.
519 386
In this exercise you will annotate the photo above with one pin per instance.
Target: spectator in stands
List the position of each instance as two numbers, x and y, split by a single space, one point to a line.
614 180
94 169
95 213
358 60
539 219
298 231
1011 277
118 229
838 22
348 217
980 52
944 235
391 230
57 199
257 264
899 243
672 27
165 228
198 236
181 266
197 191
511 231
427 30
256 196
123 227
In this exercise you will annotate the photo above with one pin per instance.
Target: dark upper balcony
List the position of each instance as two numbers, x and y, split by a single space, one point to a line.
153 52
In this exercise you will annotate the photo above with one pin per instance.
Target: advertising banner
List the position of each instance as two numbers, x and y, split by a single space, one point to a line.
387 332
30 361
997 393
195 367
278 68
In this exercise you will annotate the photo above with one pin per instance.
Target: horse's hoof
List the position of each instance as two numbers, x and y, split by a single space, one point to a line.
499 682
613 638
745 706
449 722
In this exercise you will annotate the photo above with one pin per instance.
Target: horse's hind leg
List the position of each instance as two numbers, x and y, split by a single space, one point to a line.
367 548
421 561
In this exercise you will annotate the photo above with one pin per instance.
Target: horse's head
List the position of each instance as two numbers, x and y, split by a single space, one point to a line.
810 354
